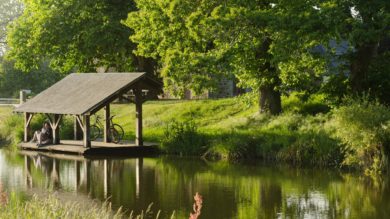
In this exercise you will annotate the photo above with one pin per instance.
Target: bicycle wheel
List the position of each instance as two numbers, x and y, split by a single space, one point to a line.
94 132
114 135
119 129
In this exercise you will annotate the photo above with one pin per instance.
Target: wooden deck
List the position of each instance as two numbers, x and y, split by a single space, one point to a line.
97 148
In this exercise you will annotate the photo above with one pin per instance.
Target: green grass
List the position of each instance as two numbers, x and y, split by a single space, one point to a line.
308 132
207 114
51 207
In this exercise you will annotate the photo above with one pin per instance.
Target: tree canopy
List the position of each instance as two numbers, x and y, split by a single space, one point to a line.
13 80
72 34
354 34
9 11
198 42
271 47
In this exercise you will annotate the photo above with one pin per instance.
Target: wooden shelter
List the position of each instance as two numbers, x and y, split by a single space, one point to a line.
84 94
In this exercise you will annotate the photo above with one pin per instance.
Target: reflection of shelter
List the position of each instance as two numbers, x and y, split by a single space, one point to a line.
82 95
95 177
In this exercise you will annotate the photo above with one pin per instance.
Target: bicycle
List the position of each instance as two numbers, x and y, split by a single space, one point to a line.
116 132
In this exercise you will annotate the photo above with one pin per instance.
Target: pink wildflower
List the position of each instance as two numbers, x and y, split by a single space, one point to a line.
197 207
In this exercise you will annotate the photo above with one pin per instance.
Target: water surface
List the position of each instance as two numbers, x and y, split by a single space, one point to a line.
228 190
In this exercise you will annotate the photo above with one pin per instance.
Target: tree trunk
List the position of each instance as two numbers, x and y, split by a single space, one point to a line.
360 64
270 100
147 65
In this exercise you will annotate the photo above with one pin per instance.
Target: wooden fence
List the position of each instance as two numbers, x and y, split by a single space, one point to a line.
9 101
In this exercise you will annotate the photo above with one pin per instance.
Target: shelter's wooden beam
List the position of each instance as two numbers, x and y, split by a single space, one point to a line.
27 121
77 129
50 120
81 124
56 131
107 123
134 85
138 117
86 130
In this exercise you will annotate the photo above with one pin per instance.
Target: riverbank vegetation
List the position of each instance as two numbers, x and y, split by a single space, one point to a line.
354 134
51 207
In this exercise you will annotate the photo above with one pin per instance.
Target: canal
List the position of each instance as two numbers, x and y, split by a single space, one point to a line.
170 183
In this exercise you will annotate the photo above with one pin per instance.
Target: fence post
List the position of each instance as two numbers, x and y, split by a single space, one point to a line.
22 96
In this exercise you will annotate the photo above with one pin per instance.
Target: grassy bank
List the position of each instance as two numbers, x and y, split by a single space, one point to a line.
353 135
51 207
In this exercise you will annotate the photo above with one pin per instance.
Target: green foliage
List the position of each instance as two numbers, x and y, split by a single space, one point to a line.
363 126
11 128
9 11
67 127
13 80
182 138
300 103
51 207
378 80
353 35
72 34
201 41
12 131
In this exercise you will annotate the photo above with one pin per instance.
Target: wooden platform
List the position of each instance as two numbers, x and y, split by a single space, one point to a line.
97 148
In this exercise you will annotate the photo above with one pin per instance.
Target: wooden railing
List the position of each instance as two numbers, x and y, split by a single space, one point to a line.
15 101
9 101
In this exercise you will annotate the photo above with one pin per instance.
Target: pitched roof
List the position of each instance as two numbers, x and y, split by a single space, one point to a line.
78 94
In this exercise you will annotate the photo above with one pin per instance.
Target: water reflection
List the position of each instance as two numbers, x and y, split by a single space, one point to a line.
228 191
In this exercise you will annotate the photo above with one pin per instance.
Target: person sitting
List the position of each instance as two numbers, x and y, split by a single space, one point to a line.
44 136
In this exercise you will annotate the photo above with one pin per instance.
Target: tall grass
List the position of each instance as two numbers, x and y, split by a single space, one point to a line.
51 207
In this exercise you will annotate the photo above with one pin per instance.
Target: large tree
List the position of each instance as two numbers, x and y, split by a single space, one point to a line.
197 42
354 34
13 80
74 34
9 11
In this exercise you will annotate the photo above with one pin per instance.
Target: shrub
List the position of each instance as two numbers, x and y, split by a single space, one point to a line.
11 129
363 127
232 145
66 128
183 138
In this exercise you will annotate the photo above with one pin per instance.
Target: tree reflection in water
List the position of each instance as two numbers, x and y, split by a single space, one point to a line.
3 196
232 191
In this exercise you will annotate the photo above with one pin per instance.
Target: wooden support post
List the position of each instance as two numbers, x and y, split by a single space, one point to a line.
55 174
138 115
77 131
139 165
77 168
107 177
87 175
22 97
27 121
86 130
107 123
56 130
27 167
